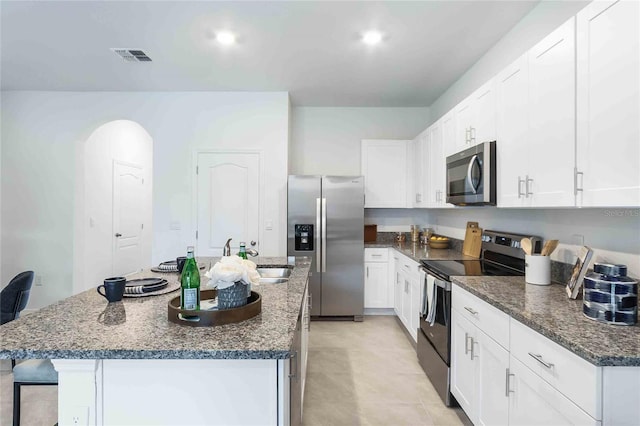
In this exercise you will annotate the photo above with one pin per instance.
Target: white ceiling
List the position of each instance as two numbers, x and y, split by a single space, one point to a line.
310 49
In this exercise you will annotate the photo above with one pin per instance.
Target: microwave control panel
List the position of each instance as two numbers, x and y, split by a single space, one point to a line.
304 237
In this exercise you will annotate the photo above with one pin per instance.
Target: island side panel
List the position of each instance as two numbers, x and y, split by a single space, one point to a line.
79 390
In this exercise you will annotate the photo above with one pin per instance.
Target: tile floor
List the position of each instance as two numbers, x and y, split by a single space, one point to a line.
39 403
367 373
359 373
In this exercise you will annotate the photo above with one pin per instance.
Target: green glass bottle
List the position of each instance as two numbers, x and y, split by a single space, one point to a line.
190 283
243 251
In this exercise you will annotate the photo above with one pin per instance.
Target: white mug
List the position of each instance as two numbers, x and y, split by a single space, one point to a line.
537 269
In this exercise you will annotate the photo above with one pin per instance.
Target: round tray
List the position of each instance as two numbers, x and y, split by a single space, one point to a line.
211 318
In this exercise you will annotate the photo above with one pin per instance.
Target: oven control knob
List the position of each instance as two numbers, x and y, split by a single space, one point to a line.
486 238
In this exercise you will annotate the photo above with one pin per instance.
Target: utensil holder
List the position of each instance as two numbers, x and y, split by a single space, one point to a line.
537 269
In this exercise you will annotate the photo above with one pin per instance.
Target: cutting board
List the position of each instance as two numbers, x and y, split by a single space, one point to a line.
472 240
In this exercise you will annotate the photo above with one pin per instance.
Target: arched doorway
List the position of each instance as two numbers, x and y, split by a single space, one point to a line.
114 215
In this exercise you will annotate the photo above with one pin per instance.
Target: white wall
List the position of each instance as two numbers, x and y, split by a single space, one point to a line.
326 141
126 142
43 132
542 19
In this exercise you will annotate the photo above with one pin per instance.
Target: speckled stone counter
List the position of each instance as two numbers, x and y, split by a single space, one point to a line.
547 310
420 252
84 326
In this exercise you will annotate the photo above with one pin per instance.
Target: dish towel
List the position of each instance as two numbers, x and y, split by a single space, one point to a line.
424 307
432 299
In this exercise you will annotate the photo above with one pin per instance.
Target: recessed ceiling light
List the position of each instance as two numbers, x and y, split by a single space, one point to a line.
225 37
372 37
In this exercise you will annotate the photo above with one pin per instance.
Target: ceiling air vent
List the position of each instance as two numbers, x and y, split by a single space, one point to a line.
131 55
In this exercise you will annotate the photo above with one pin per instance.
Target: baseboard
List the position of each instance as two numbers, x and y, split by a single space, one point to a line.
379 311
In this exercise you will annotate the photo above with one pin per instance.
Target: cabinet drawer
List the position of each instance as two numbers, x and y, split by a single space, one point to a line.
577 379
492 321
376 254
409 266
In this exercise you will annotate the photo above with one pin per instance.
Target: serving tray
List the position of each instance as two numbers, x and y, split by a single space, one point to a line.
214 317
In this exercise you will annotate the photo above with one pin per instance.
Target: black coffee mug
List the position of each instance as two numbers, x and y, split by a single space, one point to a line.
113 289
180 263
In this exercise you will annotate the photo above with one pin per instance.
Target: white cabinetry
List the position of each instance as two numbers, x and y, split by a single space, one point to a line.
475 119
512 88
551 153
608 104
479 364
407 293
378 293
503 372
386 173
437 160
536 124
419 157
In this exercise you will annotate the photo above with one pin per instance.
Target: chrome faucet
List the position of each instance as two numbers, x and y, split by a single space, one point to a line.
252 252
226 251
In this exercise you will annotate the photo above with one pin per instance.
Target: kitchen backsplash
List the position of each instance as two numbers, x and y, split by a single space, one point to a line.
560 272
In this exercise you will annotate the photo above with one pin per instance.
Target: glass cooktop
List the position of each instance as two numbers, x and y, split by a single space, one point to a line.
448 268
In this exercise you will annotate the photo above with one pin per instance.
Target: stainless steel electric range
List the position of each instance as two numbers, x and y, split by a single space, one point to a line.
501 256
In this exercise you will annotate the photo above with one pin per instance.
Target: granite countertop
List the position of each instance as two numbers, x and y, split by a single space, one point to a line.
138 328
548 310
420 252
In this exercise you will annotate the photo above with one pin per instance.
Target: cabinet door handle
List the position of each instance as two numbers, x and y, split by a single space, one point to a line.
310 298
507 391
472 135
294 355
520 182
527 193
367 272
466 343
576 189
467 135
471 311
539 358
472 343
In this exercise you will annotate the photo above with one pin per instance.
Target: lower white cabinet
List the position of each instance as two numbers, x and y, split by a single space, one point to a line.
479 366
398 284
532 401
378 291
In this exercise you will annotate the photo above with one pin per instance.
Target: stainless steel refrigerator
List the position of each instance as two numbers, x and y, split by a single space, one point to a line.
326 222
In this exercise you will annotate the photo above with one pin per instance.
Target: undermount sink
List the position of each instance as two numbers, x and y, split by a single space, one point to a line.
282 273
268 280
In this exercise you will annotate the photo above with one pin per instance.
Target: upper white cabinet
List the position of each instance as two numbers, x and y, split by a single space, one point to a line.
475 119
512 89
608 102
536 124
420 170
551 153
386 171
436 160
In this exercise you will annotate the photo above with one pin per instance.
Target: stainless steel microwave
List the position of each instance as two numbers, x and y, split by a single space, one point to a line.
471 176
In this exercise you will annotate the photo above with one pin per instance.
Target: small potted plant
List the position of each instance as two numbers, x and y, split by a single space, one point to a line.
233 276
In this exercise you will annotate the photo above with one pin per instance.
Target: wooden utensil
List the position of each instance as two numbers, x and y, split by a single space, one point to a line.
525 243
549 247
472 240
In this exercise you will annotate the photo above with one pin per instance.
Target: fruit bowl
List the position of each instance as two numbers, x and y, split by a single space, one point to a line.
438 242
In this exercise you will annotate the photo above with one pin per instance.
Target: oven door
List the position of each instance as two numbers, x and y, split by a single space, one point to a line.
439 334
471 176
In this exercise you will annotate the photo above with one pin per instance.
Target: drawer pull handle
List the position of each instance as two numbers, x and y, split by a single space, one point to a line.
507 391
538 358
471 311
376 255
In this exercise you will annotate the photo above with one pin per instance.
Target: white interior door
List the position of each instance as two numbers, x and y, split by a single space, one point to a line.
128 218
228 188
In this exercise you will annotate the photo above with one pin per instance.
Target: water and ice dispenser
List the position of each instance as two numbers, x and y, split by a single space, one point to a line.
304 237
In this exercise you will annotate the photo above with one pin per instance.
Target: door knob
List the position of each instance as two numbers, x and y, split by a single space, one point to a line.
118 234
253 243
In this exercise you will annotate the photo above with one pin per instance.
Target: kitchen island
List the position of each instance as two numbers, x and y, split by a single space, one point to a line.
125 363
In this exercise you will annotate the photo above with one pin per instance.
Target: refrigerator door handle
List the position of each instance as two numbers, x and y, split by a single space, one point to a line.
316 236
324 235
